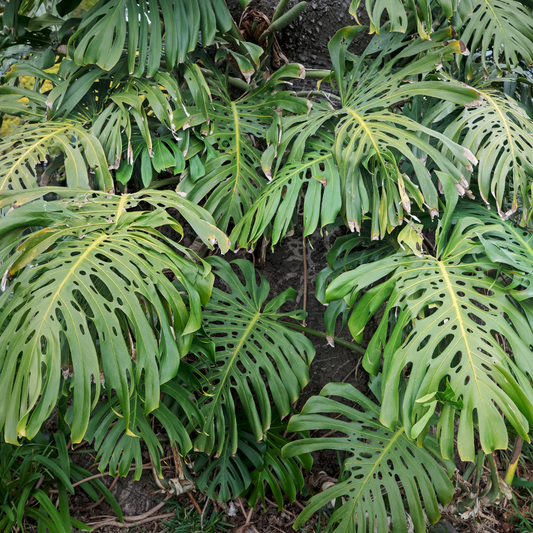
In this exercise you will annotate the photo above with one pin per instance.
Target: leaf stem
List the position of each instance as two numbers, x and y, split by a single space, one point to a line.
341 342
511 469
326 95
304 323
239 84
316 74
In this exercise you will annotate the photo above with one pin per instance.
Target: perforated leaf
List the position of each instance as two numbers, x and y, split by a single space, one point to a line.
282 475
497 28
373 144
256 468
348 252
396 13
227 475
233 180
117 448
230 181
250 346
89 292
278 200
385 474
28 146
448 322
498 132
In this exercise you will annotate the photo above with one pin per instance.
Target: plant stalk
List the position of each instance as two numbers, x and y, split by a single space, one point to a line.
341 342
511 469
239 84
316 74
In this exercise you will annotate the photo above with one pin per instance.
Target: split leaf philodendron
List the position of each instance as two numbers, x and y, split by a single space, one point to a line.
138 136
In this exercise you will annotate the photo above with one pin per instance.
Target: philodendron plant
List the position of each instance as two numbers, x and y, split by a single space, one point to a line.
141 123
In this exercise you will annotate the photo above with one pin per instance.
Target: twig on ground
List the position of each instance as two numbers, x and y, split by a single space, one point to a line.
275 505
300 505
114 523
203 512
191 497
356 370
96 476
143 516
247 516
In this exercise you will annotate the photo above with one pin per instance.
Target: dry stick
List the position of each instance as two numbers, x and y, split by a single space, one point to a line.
282 507
191 497
249 517
114 523
301 506
96 476
246 516
511 469
143 516
203 512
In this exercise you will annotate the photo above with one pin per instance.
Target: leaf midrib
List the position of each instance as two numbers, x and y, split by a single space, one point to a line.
381 459
365 128
450 287
496 18
41 140
229 364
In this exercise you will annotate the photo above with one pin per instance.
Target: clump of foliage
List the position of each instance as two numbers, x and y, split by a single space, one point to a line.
148 117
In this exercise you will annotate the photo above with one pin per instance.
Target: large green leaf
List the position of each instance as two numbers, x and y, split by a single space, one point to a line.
256 465
29 145
446 319
498 132
117 448
278 200
144 29
103 205
374 146
508 245
116 107
231 179
282 475
89 289
497 28
249 347
397 15
384 470
347 253
226 475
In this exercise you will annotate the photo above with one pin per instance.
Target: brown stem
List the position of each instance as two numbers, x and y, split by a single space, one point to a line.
131 524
